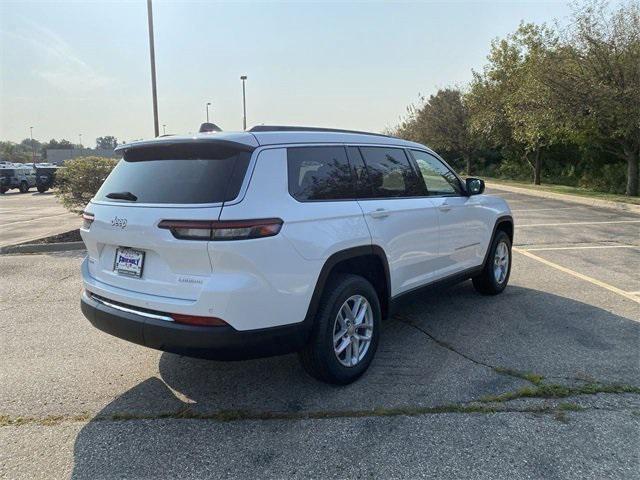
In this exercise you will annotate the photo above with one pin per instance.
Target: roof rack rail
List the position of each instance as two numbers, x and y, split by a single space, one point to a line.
285 128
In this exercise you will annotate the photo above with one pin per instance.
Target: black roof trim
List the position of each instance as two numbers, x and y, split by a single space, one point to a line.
285 128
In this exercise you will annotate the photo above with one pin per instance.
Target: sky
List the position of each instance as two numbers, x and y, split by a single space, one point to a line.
71 68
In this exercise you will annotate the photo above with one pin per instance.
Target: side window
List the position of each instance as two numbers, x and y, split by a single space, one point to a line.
319 173
390 172
437 176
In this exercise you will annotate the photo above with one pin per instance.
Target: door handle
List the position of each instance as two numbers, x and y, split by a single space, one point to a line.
379 213
445 207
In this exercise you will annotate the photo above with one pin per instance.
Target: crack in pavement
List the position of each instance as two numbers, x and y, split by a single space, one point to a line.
532 377
244 415
42 291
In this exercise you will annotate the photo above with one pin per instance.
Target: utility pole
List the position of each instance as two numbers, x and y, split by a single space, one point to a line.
80 137
33 147
244 103
152 53
207 107
164 128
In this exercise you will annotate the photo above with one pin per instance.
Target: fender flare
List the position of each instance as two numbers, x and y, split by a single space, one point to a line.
499 221
335 259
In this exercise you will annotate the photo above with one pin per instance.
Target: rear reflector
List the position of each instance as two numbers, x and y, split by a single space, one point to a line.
222 229
200 321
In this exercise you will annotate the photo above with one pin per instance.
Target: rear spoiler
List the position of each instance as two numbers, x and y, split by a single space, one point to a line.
174 148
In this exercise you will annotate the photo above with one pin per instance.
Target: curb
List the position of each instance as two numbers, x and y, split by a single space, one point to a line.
43 247
593 202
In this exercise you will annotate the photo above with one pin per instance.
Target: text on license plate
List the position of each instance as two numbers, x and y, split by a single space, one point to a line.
129 262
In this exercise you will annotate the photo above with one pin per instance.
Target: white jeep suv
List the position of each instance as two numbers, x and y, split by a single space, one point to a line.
282 239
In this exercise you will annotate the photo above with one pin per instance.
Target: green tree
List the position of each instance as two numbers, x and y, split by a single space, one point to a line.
593 75
80 179
443 123
107 143
14 152
510 102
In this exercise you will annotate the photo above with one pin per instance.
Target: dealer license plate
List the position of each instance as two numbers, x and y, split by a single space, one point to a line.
129 262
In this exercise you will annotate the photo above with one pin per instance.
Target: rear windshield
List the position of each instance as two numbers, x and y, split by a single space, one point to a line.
177 174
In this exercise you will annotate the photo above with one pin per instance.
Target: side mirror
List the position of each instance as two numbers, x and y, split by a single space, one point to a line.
475 186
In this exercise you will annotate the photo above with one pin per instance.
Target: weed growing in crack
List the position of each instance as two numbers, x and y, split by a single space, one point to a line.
534 378
559 391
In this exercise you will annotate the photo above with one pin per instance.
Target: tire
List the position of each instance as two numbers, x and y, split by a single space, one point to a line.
42 189
493 280
24 187
319 357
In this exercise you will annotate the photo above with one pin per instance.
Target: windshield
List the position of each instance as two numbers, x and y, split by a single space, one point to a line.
192 175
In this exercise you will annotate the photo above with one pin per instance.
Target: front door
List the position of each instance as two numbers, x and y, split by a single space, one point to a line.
462 229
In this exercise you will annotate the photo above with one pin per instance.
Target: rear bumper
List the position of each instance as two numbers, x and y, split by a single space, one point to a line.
216 343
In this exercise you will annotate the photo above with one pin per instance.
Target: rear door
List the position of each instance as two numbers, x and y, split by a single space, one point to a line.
400 217
126 247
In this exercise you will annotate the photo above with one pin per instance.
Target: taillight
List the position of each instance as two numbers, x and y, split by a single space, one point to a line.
222 229
87 220
196 320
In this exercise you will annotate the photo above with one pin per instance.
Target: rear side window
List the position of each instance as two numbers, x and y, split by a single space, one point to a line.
319 173
390 173
180 174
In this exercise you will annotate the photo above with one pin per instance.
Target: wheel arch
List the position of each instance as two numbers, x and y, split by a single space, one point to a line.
369 261
503 223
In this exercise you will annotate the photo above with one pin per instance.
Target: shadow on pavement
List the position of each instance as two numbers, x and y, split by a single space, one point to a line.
521 329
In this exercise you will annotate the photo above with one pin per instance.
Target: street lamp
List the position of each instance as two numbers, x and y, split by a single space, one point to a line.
33 147
152 54
244 103
207 107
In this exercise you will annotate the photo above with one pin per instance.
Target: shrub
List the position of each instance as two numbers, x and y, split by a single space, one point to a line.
80 179
514 169
610 178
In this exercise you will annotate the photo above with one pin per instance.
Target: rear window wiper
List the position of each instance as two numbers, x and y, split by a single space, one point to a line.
122 196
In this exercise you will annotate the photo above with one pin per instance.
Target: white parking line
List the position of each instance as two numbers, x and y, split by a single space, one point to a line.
574 223
540 249
586 278
542 209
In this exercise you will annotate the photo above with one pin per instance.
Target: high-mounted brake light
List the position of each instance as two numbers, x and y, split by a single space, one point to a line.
87 220
200 321
222 229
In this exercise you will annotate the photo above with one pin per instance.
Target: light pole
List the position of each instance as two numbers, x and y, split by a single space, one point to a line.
80 138
164 128
33 147
207 107
152 54
244 103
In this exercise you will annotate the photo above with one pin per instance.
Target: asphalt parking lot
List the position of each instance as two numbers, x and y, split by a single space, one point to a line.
28 216
542 381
